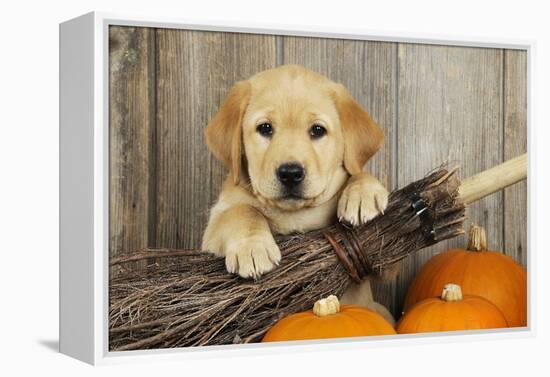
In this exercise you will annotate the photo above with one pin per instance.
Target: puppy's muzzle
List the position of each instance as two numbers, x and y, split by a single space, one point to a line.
291 175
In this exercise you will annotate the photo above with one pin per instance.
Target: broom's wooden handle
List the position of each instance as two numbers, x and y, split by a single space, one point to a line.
494 179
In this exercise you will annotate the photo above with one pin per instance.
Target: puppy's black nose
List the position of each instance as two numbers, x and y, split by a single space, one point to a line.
291 174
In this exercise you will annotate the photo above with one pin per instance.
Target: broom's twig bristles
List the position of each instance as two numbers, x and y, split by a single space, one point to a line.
186 297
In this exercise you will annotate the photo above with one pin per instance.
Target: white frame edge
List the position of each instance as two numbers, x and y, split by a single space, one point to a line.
76 182
84 191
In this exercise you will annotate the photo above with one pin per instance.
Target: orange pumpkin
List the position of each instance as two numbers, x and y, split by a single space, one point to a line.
489 274
329 320
451 312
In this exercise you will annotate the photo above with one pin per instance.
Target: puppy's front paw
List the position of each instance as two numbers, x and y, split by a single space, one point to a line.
362 200
252 256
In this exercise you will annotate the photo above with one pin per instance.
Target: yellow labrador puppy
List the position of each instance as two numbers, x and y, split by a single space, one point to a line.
295 144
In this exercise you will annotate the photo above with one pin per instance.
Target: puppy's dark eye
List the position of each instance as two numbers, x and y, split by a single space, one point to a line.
317 131
265 129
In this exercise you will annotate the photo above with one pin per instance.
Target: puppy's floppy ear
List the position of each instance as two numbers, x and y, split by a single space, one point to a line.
362 136
224 131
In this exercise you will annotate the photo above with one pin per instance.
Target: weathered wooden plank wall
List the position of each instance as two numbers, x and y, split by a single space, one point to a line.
449 110
434 103
515 143
131 126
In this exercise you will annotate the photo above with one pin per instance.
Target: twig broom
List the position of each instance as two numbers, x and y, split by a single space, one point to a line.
188 298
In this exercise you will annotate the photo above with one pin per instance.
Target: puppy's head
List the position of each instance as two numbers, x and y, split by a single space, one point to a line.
293 134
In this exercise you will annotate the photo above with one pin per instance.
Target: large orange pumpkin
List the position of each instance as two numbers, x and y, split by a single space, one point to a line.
329 320
488 274
451 312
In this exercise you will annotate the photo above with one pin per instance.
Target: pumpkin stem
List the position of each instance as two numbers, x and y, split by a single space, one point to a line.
451 292
326 306
477 239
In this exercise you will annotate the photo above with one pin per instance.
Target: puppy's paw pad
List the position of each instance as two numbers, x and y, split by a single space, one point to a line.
252 256
348 207
361 202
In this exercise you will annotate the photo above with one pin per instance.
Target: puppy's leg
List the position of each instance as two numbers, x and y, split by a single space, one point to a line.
242 235
363 198
361 294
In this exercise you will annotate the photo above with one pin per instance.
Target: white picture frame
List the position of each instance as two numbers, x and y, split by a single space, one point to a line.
84 189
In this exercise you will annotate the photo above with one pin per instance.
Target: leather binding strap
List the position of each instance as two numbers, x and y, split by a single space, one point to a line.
349 249
349 252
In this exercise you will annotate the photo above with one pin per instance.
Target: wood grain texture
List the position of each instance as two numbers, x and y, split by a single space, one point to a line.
131 119
194 73
515 143
367 69
450 106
